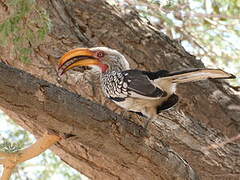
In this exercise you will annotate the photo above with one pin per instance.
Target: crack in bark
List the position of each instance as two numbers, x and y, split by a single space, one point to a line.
91 164
76 31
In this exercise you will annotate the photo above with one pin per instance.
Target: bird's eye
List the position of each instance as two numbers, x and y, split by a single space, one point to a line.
100 54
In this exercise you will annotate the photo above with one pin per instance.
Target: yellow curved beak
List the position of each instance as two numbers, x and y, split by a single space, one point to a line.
77 57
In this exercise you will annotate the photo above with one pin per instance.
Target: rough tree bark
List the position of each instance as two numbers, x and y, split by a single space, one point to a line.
100 143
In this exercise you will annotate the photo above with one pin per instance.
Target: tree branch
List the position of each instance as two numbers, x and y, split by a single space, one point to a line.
3 154
7 171
11 160
96 127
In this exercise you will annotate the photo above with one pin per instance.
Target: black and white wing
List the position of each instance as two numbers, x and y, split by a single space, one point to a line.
140 85
130 83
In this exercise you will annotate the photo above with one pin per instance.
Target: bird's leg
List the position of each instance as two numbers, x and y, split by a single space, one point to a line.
128 114
131 114
151 114
125 114
150 120
147 123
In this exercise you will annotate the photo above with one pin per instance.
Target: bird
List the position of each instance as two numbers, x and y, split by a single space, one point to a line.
144 92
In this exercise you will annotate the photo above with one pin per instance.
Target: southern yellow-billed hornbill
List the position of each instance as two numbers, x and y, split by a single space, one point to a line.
140 91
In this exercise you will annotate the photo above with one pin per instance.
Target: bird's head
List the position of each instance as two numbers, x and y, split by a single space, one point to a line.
102 58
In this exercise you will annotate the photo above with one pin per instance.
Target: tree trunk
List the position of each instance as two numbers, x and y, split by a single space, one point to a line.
100 143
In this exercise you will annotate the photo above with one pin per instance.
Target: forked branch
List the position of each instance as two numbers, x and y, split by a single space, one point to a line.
10 160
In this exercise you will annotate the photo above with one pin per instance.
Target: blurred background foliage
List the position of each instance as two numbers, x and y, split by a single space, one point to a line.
208 29
46 166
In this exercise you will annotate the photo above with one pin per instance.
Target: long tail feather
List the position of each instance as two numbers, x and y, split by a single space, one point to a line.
197 75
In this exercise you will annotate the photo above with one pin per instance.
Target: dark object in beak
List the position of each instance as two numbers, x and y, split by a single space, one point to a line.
68 63
77 57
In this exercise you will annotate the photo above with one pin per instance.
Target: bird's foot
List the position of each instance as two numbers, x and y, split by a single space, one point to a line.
147 123
125 114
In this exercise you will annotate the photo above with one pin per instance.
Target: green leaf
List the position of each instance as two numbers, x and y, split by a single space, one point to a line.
31 36
25 51
9 147
15 19
216 8
1 27
25 59
166 19
41 33
3 41
6 28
